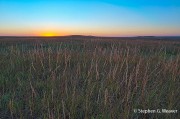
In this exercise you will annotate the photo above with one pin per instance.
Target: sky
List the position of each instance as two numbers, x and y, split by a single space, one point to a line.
90 17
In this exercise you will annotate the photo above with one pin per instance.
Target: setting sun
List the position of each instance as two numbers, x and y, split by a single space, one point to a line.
49 34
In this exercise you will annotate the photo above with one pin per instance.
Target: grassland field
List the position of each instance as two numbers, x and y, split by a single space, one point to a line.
80 77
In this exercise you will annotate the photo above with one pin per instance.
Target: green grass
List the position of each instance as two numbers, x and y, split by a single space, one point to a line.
88 80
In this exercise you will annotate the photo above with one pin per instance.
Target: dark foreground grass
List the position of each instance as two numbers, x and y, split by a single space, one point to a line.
89 80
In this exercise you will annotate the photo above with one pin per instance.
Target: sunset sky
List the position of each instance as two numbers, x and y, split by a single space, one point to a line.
89 17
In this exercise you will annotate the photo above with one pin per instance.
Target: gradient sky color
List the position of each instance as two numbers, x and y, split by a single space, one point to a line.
90 17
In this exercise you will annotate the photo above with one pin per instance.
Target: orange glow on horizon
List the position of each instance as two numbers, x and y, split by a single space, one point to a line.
49 34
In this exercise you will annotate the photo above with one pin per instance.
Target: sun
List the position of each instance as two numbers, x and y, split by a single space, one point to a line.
49 34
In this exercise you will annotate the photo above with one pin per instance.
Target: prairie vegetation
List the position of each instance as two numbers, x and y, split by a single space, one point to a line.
91 78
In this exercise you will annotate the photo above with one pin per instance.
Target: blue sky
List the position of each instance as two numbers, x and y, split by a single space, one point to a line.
90 17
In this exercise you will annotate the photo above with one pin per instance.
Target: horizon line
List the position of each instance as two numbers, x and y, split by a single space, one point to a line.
89 36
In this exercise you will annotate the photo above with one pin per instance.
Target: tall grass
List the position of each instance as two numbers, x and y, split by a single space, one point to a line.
89 80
